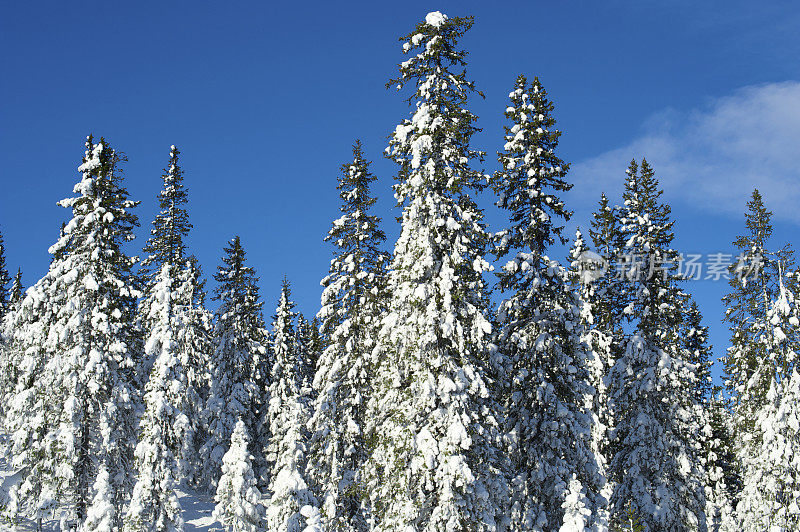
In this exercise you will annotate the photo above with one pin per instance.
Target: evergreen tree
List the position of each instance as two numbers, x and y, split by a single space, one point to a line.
770 451
288 415
165 427
608 298
754 283
655 461
318 340
724 481
306 355
351 308
586 269
545 377
17 288
72 413
171 225
433 463
239 349
238 500
189 322
5 279
715 444
8 356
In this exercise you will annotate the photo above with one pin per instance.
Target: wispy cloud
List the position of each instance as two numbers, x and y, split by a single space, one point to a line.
712 158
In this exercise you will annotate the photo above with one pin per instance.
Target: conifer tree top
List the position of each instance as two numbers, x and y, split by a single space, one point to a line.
17 288
433 148
532 174
4 279
100 198
171 225
237 281
285 369
357 231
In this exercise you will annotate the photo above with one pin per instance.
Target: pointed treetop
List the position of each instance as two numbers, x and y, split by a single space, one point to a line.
17 288
532 175
171 224
233 275
605 230
437 38
4 279
357 229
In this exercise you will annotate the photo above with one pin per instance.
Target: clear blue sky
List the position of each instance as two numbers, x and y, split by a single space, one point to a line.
264 99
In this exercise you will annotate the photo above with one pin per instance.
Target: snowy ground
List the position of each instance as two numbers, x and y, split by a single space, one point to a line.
197 508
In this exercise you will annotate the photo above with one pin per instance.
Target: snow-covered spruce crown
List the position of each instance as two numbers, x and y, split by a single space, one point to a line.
435 18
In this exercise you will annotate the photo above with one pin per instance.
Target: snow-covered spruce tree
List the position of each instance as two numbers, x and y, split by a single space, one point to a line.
306 355
754 284
770 451
352 305
586 268
609 297
165 427
238 501
714 438
434 460
318 340
239 350
9 297
724 479
655 459
189 324
5 279
73 412
17 288
8 365
26 353
170 226
287 416
546 375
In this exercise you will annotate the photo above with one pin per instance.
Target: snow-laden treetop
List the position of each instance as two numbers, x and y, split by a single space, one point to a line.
435 18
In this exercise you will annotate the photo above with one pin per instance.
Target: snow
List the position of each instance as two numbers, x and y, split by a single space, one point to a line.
435 19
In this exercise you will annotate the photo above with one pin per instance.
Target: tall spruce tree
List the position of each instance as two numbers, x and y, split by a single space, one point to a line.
239 351
238 501
608 298
655 463
171 225
754 286
8 362
287 416
586 269
352 304
306 355
5 279
715 444
73 414
546 377
434 460
770 451
166 426
17 288
179 301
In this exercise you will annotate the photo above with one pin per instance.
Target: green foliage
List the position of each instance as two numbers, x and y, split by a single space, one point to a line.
4 280
754 286
171 225
631 521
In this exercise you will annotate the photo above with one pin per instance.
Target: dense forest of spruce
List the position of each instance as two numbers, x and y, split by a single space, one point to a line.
584 401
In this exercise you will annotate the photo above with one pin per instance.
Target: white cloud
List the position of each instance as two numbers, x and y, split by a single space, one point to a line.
712 158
